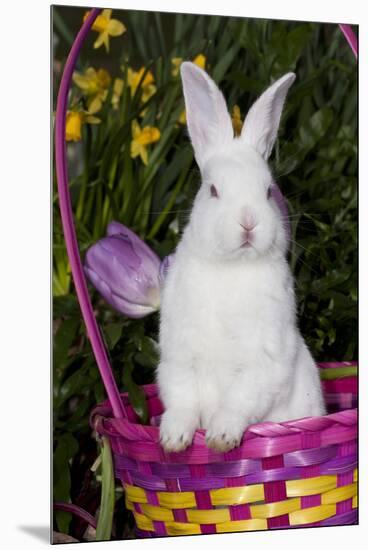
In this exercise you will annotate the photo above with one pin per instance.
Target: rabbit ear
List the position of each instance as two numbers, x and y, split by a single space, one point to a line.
208 120
262 121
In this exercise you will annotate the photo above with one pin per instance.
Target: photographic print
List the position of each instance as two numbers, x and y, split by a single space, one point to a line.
205 251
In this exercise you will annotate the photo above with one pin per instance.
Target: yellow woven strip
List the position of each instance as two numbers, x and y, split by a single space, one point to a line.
157 513
355 502
135 494
143 522
177 500
237 495
194 516
310 515
175 528
355 474
208 516
128 504
339 494
166 499
310 486
242 525
273 509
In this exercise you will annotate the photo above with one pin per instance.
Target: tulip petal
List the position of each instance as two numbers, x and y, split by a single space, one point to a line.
127 275
140 247
134 311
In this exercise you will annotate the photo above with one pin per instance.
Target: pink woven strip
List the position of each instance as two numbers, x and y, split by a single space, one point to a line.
275 491
345 479
199 453
311 500
203 499
238 511
335 364
341 385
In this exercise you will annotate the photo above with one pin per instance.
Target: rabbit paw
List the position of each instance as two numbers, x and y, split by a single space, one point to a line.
176 430
224 433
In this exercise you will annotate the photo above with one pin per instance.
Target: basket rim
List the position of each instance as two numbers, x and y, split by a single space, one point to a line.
259 440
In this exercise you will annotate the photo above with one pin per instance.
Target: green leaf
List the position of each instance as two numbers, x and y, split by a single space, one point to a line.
316 128
67 448
63 340
136 394
113 332
105 518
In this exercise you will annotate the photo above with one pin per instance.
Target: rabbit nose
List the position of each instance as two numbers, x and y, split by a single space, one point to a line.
248 226
248 219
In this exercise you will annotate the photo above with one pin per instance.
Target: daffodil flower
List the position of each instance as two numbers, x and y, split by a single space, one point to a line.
117 90
106 27
236 120
74 123
200 61
94 84
142 137
148 86
176 62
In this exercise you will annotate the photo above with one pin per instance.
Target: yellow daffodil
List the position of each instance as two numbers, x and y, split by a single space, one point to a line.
74 122
182 118
117 90
106 27
236 120
94 84
148 86
142 137
200 61
176 62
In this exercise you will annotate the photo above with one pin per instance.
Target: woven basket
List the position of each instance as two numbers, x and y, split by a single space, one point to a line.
297 473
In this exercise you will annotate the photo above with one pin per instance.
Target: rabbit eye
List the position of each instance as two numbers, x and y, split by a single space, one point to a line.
213 191
269 192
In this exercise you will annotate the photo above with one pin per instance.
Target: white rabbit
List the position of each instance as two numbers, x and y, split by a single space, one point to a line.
231 353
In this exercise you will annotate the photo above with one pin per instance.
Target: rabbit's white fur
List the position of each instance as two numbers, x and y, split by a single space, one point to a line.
231 353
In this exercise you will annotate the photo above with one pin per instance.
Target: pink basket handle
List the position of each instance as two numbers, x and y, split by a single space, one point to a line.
93 330
351 38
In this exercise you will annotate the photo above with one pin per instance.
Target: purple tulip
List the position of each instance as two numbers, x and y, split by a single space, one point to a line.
125 271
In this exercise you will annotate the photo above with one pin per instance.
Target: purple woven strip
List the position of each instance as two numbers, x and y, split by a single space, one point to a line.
349 518
68 224
155 483
140 534
246 467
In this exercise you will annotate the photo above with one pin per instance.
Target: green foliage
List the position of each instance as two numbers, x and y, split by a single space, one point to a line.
314 162
105 518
